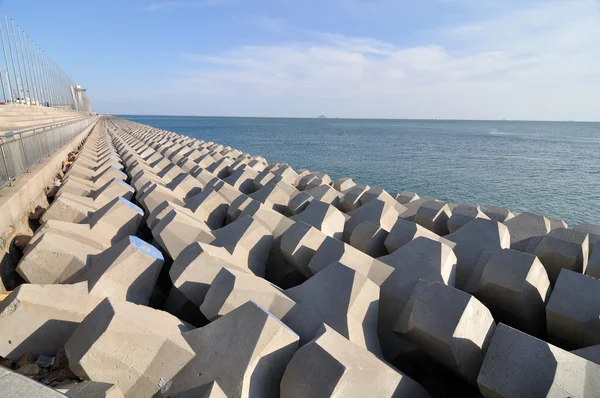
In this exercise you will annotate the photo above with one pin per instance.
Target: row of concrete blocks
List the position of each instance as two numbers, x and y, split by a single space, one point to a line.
27 315
530 302
478 270
324 299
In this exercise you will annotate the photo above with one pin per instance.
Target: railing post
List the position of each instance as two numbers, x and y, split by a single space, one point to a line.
24 153
5 164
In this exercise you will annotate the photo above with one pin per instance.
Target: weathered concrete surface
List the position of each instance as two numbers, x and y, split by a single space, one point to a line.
299 244
573 312
177 230
594 234
405 231
498 213
519 365
376 212
324 217
331 366
593 268
245 352
525 227
131 346
91 389
14 385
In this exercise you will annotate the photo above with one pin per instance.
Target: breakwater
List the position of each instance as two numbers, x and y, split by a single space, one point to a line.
170 266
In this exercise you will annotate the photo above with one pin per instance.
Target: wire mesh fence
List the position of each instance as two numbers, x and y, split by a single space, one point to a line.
24 148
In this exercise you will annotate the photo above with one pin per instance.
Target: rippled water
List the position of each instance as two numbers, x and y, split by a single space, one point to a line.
549 168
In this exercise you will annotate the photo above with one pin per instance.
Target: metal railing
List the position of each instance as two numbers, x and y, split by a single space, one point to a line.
19 150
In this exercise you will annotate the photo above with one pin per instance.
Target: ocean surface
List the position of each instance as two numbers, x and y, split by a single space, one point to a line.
548 168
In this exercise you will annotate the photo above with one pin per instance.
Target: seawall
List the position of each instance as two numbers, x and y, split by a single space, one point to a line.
213 271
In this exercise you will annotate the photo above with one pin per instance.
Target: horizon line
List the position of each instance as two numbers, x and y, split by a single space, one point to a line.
357 118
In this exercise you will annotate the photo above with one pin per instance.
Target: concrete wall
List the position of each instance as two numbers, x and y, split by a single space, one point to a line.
17 117
18 201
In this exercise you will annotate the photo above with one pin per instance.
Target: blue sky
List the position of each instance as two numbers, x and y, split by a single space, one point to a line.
471 59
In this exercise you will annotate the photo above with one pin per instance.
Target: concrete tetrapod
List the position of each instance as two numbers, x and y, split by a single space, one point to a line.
325 193
324 217
245 352
39 319
344 299
453 327
499 214
193 272
526 227
593 268
515 288
126 271
375 211
299 202
463 214
134 347
405 231
561 249
178 229
594 234
277 196
423 260
331 366
573 312
232 288
343 184
299 244
518 365
405 197
369 239
477 236
351 199
434 216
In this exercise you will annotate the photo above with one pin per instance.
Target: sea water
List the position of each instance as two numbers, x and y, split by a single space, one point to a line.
548 168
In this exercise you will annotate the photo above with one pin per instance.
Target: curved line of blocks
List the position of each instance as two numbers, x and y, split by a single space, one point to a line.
275 282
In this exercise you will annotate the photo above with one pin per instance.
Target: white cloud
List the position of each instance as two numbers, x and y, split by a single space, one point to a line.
530 63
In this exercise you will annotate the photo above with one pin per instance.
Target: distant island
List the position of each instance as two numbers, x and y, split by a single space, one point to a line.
322 117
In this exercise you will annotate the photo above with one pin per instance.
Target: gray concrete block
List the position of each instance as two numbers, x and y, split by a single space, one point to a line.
524 227
131 346
471 240
299 244
594 234
343 184
277 196
515 288
591 353
39 319
331 366
325 193
231 288
405 197
593 268
92 389
246 364
573 312
453 327
422 260
177 230
563 249
351 199
323 216
242 180
498 213
299 202
463 214
343 299
13 385
404 231
376 212
434 216
333 250
126 271
369 239
519 365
